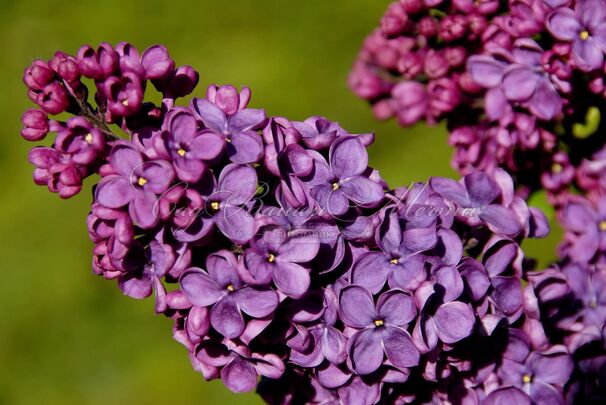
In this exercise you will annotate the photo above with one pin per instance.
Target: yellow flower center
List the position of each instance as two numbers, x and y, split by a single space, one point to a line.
125 102
230 288
526 379
593 304
142 181
271 258
584 35
335 186
214 206
393 261
89 138
602 226
379 322
556 168
181 152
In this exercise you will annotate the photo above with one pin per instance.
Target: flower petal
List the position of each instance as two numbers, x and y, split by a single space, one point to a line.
399 347
257 303
356 307
245 147
366 351
396 307
485 70
239 376
563 24
348 157
371 271
362 191
519 83
199 288
226 318
292 279
114 192
454 321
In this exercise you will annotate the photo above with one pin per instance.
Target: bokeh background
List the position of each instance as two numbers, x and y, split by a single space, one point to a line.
69 337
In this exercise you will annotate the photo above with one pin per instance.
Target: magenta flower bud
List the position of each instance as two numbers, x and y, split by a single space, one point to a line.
428 26
365 84
182 82
435 65
596 85
124 95
452 27
455 56
157 62
65 66
97 64
37 75
383 109
410 99
394 20
35 125
412 6
467 84
476 24
53 99
444 95
410 65
129 59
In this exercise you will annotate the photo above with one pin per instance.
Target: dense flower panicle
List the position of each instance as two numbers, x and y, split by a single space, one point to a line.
519 93
280 254
525 95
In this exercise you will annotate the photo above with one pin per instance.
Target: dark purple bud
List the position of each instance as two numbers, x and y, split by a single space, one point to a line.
97 64
452 27
157 62
53 99
65 66
455 56
412 6
37 75
444 95
35 125
435 65
411 102
182 82
428 26
394 21
129 59
410 65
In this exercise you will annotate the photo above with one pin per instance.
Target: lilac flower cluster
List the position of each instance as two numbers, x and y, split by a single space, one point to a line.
413 66
524 93
280 254
120 76
533 108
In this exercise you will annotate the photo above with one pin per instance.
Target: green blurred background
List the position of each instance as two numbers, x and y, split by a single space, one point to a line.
69 337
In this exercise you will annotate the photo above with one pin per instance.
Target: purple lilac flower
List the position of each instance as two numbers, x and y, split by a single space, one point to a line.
134 182
477 192
280 257
235 122
585 227
223 289
188 147
585 27
381 329
541 375
387 303
399 261
240 367
341 181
